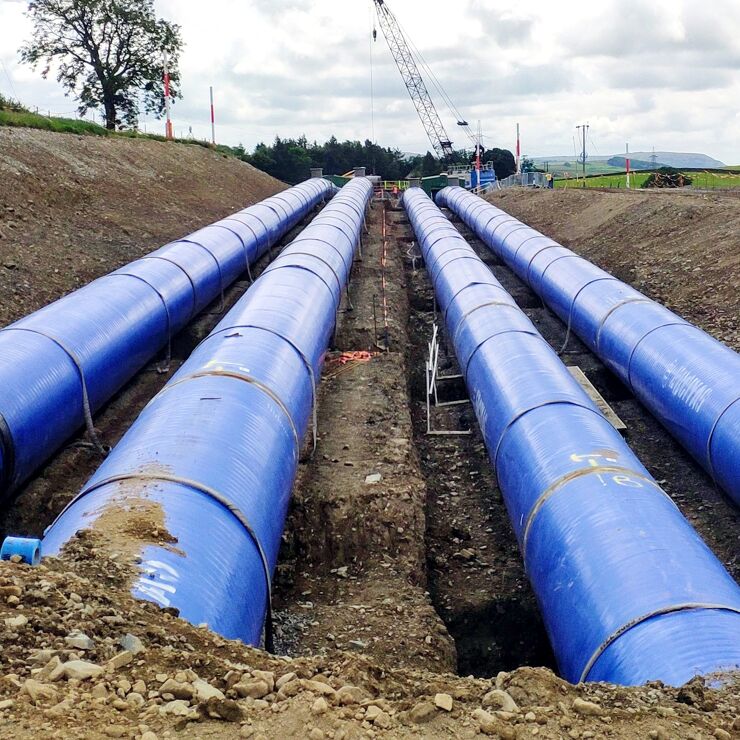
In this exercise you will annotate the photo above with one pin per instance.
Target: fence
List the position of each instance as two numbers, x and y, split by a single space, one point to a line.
525 180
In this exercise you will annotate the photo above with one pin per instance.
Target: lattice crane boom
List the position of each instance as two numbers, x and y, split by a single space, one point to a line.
414 81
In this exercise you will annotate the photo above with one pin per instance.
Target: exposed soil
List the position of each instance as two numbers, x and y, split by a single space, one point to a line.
82 659
73 208
681 249
353 571
398 567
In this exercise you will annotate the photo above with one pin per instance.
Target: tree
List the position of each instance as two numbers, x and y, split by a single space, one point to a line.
430 165
106 53
290 159
503 160
527 165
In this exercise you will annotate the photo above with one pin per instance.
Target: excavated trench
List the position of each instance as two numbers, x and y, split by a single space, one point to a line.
398 544
476 577
42 498
475 573
421 569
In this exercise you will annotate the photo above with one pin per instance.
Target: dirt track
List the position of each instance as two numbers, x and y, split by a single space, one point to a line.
375 579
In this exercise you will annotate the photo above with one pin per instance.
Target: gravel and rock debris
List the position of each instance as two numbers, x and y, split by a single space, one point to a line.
81 658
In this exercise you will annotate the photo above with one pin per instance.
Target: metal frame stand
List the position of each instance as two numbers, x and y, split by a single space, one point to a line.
432 378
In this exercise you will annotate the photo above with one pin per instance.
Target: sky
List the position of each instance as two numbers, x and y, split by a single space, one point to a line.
651 73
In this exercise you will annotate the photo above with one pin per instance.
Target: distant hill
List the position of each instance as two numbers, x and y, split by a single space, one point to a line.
635 164
677 159
671 159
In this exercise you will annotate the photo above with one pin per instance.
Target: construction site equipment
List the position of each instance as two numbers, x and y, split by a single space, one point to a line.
414 82
687 379
628 591
63 362
215 453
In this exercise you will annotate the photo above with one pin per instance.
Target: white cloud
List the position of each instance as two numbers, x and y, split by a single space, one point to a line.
660 73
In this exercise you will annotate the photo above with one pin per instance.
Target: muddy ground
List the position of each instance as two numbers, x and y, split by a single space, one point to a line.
398 571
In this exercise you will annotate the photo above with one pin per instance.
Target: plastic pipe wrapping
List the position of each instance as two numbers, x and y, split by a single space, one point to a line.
213 456
78 351
687 379
628 590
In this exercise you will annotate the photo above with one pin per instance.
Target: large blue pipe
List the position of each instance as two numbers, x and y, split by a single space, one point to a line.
71 356
687 379
213 456
628 590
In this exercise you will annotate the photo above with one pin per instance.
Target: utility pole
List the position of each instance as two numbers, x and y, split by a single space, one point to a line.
584 127
518 152
213 120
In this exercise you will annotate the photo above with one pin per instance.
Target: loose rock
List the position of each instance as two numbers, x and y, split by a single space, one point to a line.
255 688
587 708
443 701
422 712
499 699
320 706
79 669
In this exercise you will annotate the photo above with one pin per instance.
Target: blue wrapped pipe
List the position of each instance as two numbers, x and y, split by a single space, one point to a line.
63 362
213 456
687 379
628 590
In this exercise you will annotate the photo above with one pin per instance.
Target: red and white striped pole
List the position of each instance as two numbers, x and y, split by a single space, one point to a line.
477 158
168 122
213 120
518 152
627 162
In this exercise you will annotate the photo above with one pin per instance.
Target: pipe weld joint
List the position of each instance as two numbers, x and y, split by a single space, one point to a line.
688 606
554 487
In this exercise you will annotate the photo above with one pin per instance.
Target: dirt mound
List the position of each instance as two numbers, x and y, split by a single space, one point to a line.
73 208
78 652
682 249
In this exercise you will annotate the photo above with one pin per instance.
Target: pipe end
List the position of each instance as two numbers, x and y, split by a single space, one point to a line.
26 548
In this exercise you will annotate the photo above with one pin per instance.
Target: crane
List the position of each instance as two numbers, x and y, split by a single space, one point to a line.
414 82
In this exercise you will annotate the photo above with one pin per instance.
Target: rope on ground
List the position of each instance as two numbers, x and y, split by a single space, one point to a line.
339 363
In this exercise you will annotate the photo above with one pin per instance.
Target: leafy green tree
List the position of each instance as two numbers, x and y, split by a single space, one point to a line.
503 160
290 159
528 165
106 53
430 165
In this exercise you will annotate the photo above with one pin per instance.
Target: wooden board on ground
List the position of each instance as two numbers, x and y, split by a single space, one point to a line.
597 398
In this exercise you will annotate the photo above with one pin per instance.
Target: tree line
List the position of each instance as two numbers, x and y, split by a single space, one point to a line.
291 160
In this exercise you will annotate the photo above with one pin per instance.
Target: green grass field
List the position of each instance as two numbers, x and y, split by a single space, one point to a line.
24 119
701 181
20 118
561 167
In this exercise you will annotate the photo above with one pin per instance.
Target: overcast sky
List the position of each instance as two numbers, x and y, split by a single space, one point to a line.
654 73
